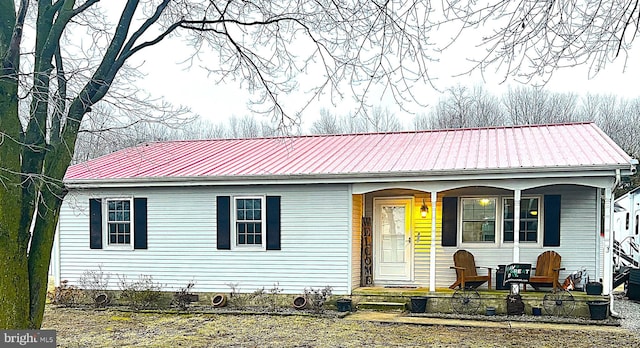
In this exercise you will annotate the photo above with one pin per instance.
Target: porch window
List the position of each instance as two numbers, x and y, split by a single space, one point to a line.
249 221
529 217
478 220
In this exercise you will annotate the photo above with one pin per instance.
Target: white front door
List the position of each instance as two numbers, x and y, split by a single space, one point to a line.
392 240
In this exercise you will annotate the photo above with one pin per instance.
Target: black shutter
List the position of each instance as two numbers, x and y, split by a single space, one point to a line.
551 221
223 214
449 221
95 223
140 223
273 222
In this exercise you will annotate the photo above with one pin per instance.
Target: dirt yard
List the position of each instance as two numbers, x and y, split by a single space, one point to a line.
108 328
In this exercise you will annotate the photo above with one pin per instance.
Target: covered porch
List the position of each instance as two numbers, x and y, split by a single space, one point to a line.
405 234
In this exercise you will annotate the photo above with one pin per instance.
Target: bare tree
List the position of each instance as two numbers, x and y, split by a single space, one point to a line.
377 119
619 118
382 120
351 123
526 105
264 44
326 124
531 105
248 127
203 129
534 38
487 110
421 121
464 107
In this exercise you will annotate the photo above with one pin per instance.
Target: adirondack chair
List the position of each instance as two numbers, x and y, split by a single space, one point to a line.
547 271
466 271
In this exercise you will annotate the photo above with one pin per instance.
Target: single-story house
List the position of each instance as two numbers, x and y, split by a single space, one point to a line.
382 209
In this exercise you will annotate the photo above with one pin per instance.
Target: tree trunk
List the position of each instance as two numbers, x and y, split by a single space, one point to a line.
14 278
56 163
40 255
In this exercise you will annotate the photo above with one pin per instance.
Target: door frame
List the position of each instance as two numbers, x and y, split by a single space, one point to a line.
410 200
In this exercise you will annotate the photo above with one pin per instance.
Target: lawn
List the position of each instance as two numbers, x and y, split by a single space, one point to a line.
112 328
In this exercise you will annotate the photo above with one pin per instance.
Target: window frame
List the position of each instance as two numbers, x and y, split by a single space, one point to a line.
499 222
540 230
495 220
263 223
105 224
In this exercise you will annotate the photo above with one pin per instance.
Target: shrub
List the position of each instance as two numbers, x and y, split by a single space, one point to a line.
272 297
317 297
243 300
267 299
183 297
238 299
140 294
64 295
95 283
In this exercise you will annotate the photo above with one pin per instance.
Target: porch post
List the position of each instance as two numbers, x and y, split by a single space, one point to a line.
516 225
432 256
607 278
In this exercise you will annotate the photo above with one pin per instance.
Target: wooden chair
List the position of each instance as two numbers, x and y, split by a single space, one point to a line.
547 271
466 274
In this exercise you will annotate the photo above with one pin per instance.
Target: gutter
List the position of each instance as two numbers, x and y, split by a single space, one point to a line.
327 178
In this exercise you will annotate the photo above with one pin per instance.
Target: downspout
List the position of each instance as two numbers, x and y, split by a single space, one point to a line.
611 239
350 243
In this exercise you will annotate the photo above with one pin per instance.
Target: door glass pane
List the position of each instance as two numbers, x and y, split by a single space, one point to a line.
393 233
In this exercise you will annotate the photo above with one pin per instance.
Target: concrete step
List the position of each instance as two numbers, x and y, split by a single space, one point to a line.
382 306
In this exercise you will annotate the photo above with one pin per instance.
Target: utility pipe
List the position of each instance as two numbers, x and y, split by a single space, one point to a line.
610 285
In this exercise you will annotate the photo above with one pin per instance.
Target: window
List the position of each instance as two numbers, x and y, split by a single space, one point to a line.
118 222
249 217
479 220
529 212
473 220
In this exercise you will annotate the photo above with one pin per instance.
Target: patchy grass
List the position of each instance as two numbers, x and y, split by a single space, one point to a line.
110 328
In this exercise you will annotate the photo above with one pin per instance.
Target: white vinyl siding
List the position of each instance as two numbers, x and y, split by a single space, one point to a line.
315 228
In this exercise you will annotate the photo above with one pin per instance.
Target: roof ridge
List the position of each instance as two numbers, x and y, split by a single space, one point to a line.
288 137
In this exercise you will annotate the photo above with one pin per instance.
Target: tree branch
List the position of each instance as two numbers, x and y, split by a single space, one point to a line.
61 97
11 59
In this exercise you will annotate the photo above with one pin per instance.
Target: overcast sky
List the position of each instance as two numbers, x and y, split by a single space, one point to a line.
169 77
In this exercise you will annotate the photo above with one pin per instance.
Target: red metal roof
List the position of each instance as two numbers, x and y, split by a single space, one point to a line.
526 148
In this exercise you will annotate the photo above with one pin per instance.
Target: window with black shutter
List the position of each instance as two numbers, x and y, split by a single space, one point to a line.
248 222
118 223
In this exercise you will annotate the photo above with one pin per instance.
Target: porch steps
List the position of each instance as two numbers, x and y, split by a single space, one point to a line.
382 306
